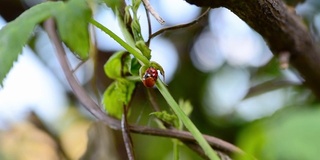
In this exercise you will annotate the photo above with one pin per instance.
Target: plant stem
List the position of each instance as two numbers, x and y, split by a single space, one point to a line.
165 93
133 50
186 121
176 149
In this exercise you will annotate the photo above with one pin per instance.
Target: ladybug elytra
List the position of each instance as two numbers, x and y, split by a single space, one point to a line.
150 77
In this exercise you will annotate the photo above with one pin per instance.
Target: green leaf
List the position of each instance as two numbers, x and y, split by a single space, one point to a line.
166 117
141 45
118 65
157 66
142 71
72 21
116 96
136 30
135 24
15 34
122 24
135 6
135 66
186 106
292 134
113 4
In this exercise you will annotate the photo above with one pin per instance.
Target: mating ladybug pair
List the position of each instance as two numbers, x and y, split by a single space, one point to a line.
150 77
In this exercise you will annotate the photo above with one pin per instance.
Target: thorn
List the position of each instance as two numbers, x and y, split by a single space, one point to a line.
284 59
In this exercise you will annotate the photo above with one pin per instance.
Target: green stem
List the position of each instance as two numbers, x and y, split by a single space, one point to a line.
176 149
165 93
133 50
186 121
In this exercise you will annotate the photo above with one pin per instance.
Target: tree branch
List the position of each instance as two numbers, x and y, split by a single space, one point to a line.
281 29
79 91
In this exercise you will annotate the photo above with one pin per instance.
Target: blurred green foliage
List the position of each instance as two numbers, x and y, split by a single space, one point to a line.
291 134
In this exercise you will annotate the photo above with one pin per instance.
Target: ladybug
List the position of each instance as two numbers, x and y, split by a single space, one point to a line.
150 77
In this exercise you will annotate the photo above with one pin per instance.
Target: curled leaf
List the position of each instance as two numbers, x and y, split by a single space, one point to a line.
186 106
118 65
116 96
135 66
157 66
166 117
113 4
145 50
142 71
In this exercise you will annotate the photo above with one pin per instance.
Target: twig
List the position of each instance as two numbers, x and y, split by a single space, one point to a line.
34 119
126 135
152 11
96 111
269 86
180 26
154 104
78 66
149 25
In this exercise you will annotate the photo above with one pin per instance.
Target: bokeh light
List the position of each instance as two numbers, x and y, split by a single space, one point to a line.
205 54
236 41
226 89
177 11
105 16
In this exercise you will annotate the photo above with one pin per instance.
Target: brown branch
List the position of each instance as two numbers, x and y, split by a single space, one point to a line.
126 134
79 91
197 149
96 111
281 29
216 143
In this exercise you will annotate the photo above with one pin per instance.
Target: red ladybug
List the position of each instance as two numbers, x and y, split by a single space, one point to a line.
150 77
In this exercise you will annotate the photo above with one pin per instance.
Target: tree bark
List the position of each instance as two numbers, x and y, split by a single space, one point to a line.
283 31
